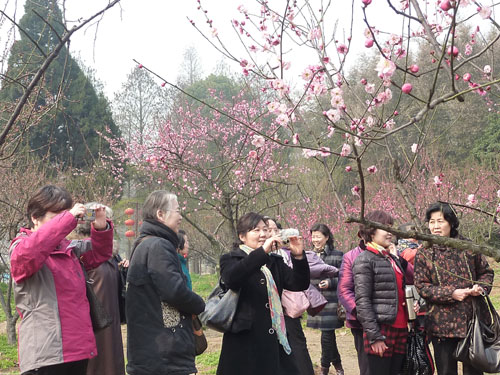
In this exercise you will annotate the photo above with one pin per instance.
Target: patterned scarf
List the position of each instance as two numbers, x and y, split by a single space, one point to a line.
277 316
386 253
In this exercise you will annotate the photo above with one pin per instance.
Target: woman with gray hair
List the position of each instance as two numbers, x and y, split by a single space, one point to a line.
159 303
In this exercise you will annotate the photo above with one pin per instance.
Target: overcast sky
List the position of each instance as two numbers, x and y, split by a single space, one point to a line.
157 32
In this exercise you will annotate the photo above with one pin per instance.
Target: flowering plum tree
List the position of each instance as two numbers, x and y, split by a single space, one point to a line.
359 123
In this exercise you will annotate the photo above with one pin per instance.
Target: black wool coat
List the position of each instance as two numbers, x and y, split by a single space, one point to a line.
376 291
254 348
159 306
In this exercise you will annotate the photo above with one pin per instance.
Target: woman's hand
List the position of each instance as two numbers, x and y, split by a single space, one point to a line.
268 244
416 307
461 294
100 218
476 290
124 263
297 247
379 347
324 284
78 210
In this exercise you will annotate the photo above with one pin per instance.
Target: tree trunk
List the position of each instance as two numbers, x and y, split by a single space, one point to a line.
11 330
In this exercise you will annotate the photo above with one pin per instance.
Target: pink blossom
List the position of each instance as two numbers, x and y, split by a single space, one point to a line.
333 115
331 130
342 48
308 153
243 63
325 152
498 194
445 5
346 150
471 199
348 168
414 68
363 81
487 69
252 154
307 74
406 88
385 68
453 51
241 8
372 169
295 139
369 43
238 172
468 49
274 107
394 39
414 148
370 88
358 141
366 2
438 181
389 124
258 141
467 77
315 33
355 190
282 119
485 13
214 32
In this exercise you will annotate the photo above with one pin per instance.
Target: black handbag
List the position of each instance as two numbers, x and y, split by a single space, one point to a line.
418 359
481 347
98 314
220 308
200 341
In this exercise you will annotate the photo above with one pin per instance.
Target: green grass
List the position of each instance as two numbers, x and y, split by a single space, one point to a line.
207 362
204 284
8 354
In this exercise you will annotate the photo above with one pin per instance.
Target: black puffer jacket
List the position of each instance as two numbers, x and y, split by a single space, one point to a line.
376 292
159 307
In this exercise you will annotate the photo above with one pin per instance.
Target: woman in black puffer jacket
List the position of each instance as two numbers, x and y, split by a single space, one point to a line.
379 281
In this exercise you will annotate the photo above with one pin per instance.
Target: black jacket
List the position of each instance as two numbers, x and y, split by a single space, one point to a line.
255 349
376 292
159 307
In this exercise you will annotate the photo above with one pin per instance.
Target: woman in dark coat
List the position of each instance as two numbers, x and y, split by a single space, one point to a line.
159 303
379 281
448 279
257 344
327 320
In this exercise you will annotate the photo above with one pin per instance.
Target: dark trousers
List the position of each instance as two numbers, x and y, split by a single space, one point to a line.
385 365
446 364
69 368
298 343
364 368
329 350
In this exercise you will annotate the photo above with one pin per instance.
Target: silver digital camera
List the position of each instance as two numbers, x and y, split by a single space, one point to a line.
287 233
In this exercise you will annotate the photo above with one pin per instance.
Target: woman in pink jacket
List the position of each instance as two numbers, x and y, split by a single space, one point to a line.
55 334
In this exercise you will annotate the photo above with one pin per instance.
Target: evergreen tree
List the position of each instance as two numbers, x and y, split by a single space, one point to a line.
68 133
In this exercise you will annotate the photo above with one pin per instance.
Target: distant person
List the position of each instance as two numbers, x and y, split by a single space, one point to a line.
55 333
407 247
183 252
159 303
257 343
327 320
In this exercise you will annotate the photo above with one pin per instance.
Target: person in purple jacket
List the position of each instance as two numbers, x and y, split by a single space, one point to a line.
55 334
345 292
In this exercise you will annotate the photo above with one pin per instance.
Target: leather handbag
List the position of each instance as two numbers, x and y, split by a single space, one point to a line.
98 314
294 303
220 308
200 341
481 347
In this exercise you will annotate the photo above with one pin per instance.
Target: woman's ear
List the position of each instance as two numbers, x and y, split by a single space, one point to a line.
241 237
160 215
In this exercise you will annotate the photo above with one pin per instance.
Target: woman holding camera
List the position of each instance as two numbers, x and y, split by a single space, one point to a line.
55 334
257 342
327 320
448 279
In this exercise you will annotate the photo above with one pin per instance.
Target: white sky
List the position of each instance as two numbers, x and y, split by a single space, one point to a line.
157 32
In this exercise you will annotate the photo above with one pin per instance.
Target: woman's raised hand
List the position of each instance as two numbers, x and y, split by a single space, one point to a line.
100 218
78 210
297 246
269 243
